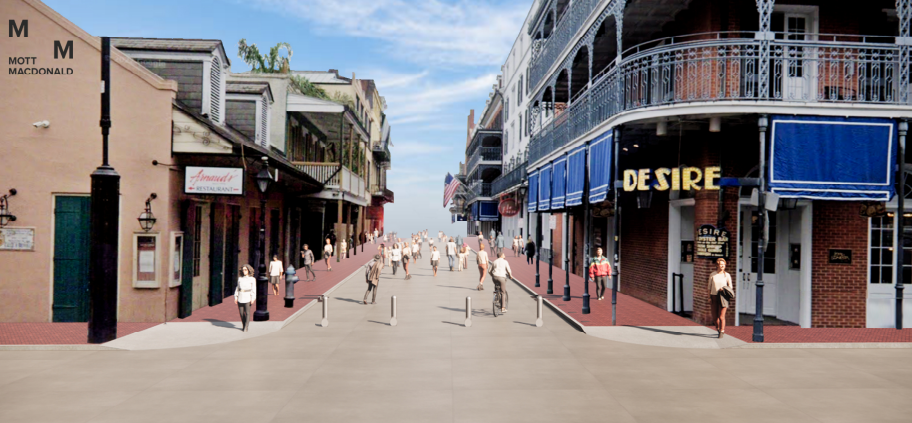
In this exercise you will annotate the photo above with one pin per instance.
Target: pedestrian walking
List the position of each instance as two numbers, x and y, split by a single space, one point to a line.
376 233
406 256
458 240
530 251
276 273
343 249
480 238
599 271
435 259
491 235
451 253
481 257
327 253
332 237
308 257
500 244
385 253
415 251
372 275
718 282
516 246
395 257
500 271
245 294
430 242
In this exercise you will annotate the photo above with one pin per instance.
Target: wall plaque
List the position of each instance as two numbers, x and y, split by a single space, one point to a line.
17 239
712 242
840 256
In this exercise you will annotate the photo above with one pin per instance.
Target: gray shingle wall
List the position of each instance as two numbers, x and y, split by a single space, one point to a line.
241 115
189 77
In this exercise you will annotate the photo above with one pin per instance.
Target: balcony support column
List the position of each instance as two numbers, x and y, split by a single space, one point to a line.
765 7
619 25
904 10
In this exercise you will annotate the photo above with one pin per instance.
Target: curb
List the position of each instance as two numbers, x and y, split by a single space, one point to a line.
823 345
48 347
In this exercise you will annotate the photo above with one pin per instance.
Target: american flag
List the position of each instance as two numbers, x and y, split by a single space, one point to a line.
449 188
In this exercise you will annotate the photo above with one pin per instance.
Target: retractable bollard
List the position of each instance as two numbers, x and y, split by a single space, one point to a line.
468 321
538 314
393 320
325 322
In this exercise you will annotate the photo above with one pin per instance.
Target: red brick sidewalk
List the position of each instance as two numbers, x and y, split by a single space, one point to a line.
635 312
46 333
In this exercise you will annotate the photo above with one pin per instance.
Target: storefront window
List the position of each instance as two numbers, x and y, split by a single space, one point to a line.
881 251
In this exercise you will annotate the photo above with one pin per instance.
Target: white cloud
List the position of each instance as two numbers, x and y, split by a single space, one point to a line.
459 32
428 101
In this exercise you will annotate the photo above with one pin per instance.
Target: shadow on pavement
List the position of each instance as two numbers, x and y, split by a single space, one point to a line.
457 287
380 323
349 300
671 332
524 323
222 323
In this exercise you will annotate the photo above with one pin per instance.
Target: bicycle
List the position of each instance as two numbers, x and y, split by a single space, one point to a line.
496 303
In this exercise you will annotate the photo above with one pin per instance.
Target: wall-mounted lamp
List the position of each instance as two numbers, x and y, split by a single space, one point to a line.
146 218
263 178
715 124
662 128
5 215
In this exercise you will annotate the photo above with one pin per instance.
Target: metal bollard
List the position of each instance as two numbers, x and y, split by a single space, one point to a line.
325 322
468 321
393 320
538 314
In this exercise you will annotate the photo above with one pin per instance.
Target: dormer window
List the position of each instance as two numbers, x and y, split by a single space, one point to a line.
215 90
248 108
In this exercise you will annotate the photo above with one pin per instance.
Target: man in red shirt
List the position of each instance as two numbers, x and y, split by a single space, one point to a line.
599 270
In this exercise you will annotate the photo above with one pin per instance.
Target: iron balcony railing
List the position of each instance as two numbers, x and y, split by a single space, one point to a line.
509 179
548 49
480 189
713 67
485 154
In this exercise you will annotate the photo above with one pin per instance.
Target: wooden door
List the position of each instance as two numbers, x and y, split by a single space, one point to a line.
71 259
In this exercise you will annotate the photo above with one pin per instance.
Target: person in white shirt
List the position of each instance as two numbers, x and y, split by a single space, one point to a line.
343 249
327 254
461 258
276 273
451 253
500 271
395 257
416 249
435 259
482 258
245 294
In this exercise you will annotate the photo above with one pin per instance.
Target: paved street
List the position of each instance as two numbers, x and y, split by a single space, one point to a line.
430 368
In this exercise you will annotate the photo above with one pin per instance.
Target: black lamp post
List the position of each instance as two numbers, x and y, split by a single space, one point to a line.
291 277
550 254
538 242
5 215
566 296
105 215
263 180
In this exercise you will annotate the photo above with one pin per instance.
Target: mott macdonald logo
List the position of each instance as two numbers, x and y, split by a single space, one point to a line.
31 65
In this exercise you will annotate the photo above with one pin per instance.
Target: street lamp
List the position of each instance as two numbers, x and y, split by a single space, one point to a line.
5 215
263 180
550 254
146 218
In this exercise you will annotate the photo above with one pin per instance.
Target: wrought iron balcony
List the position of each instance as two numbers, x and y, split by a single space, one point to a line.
548 49
335 177
724 67
381 191
488 154
510 179
382 152
480 189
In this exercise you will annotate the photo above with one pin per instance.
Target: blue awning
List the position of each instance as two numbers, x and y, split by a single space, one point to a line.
474 212
533 191
576 176
558 182
488 211
544 187
600 166
833 158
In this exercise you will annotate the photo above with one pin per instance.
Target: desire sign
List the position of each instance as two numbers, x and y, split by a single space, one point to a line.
214 180
684 179
712 242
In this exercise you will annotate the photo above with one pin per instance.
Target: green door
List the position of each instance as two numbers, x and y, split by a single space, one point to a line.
71 259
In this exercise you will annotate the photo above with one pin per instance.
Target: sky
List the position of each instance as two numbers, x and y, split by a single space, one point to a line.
433 60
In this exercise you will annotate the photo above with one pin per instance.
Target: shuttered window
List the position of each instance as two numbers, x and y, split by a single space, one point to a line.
264 122
215 90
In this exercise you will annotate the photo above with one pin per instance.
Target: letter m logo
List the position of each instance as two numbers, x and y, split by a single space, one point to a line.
62 51
21 30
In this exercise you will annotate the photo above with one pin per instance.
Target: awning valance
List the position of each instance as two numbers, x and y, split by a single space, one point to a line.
533 191
488 212
544 187
558 182
832 157
576 176
600 166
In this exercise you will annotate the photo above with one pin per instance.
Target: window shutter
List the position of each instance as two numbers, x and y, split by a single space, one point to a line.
215 90
264 122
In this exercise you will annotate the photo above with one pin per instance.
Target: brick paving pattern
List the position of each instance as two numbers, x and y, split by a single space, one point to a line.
57 333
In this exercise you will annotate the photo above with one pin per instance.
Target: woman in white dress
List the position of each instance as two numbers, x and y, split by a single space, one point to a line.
327 254
395 257
245 294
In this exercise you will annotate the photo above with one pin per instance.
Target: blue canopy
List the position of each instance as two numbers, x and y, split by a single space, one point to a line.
833 158
576 176
544 187
488 211
600 166
533 191
558 182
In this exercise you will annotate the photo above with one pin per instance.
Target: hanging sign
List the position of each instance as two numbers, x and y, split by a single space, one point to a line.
675 179
508 207
712 242
214 180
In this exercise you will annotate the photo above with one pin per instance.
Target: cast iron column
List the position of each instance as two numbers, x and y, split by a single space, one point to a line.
105 213
566 296
763 122
900 230
550 255
586 214
262 312
616 275
538 242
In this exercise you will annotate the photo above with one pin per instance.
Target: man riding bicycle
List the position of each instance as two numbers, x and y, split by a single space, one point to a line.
500 270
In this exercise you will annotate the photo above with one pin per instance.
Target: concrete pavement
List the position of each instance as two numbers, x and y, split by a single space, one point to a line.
430 368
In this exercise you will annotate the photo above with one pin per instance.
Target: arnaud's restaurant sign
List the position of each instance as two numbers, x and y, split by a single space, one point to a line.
675 179
214 180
